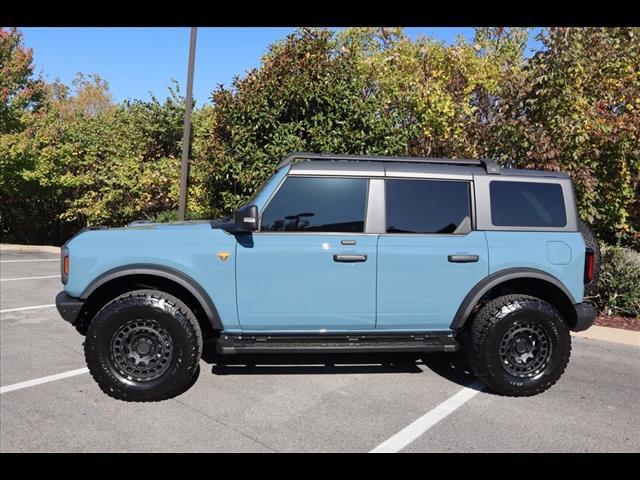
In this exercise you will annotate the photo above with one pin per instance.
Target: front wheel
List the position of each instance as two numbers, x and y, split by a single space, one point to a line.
519 345
144 346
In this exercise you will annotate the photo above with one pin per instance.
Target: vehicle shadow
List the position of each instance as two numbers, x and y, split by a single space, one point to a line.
451 366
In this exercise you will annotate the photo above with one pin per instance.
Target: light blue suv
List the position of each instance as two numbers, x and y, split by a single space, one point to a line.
343 253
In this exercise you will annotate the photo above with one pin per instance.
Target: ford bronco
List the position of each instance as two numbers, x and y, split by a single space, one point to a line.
343 253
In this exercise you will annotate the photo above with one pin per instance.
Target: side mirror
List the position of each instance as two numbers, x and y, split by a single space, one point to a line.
246 219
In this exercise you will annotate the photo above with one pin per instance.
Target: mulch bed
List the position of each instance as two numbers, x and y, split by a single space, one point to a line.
625 323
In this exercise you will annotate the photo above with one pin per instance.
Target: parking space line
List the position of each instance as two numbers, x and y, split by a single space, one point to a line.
39 381
27 308
27 278
411 432
32 260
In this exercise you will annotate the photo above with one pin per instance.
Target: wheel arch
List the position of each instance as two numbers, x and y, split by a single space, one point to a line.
529 281
131 277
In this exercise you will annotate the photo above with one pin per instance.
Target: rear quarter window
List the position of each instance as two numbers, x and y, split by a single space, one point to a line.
527 204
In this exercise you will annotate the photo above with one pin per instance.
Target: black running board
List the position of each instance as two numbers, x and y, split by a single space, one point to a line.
336 343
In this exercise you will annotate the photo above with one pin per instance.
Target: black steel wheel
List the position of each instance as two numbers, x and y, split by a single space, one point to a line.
144 346
525 350
141 350
518 345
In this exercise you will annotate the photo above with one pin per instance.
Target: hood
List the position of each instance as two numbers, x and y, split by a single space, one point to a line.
186 225
143 233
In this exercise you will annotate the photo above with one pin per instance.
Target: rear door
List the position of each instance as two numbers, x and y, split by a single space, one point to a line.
430 257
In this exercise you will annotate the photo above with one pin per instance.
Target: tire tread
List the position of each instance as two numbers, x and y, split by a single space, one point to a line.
482 327
180 312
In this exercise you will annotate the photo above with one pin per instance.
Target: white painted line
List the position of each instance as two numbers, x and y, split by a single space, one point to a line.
27 278
408 434
26 308
38 381
32 260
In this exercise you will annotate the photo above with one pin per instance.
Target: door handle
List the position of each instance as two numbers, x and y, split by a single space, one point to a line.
349 258
463 258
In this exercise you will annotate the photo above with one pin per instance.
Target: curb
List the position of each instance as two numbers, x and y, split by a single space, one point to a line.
608 334
8 247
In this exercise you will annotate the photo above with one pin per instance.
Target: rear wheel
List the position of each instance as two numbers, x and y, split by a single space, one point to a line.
519 345
144 346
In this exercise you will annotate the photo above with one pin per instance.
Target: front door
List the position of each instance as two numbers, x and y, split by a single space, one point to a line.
429 258
311 267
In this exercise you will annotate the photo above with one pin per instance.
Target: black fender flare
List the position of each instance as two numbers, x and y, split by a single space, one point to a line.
162 271
496 278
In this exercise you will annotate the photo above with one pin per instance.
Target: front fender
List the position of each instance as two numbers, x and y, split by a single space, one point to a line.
162 271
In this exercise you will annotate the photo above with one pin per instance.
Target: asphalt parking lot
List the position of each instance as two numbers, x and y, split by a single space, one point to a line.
279 403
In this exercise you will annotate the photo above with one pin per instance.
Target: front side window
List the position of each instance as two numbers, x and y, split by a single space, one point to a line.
317 204
428 206
527 204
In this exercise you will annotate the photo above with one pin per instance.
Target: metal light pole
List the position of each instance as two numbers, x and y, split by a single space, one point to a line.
184 170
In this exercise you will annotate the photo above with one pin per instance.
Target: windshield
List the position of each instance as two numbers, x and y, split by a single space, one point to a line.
259 190
261 195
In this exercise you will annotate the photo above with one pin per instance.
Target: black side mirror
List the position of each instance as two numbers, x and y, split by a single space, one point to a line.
246 219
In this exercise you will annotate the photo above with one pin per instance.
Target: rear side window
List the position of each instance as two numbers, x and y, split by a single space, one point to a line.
306 204
427 206
527 204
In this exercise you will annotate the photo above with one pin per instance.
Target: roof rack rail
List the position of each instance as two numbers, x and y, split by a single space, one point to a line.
489 165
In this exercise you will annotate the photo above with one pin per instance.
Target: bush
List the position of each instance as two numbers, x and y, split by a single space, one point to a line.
172 216
71 157
618 289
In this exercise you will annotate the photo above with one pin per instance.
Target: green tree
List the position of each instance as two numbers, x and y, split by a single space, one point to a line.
70 156
19 89
83 160
579 111
307 95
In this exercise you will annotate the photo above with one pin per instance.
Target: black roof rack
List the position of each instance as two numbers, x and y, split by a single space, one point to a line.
489 165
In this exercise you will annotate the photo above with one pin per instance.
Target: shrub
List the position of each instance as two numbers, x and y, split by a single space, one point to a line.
618 289
172 216
71 157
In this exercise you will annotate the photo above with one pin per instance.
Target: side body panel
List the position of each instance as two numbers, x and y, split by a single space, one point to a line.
561 254
418 288
290 282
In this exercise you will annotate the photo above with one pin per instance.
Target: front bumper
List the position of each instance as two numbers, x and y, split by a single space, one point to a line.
68 307
585 316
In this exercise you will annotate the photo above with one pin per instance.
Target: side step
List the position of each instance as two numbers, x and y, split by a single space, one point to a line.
336 343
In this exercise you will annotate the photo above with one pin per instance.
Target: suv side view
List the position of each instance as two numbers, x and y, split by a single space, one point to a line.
343 253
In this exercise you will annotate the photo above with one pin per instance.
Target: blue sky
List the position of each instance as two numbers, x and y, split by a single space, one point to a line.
136 61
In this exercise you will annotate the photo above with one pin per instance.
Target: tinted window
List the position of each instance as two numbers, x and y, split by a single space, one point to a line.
527 204
427 206
317 205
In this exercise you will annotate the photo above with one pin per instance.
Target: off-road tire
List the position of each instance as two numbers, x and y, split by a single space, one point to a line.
486 340
179 335
591 242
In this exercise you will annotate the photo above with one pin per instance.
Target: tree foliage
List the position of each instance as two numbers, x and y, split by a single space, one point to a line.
81 159
579 112
70 156
19 88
